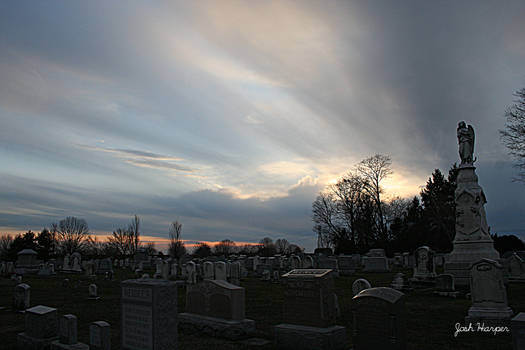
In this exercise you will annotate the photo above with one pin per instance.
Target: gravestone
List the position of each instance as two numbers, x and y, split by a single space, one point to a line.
445 285
191 273
100 336
375 264
165 270
517 328
359 285
67 335
347 265
425 270
148 314
208 268
515 268
40 328
173 270
379 319
399 282
406 262
376 253
488 294
216 308
21 297
276 277
308 262
104 266
220 270
27 258
235 273
92 290
309 312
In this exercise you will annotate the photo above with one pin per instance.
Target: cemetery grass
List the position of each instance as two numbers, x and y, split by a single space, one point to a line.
430 319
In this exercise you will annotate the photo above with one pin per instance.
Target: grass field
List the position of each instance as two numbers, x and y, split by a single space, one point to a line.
430 319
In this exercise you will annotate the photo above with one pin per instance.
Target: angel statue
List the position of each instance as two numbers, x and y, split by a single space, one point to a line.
466 143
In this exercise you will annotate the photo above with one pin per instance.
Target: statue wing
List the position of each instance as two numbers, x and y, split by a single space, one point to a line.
472 136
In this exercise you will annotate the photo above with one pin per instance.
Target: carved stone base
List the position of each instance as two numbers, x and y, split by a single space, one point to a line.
56 345
480 313
23 341
466 253
216 327
447 294
291 336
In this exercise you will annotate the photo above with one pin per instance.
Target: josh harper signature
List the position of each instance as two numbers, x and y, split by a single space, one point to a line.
480 327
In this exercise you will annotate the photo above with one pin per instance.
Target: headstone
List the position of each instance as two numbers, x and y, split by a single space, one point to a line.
220 270
191 273
488 293
235 273
40 328
92 290
104 266
376 253
309 312
472 241
165 270
379 319
399 282
266 275
148 314
517 328
100 336
425 269
375 264
347 265
26 258
406 262
208 268
90 268
67 333
173 270
216 308
308 262
515 267
445 285
21 297
66 263
359 285
398 260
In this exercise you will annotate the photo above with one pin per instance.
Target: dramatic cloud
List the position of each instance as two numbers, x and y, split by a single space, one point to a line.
233 115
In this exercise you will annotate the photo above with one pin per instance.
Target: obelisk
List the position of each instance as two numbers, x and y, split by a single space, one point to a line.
472 241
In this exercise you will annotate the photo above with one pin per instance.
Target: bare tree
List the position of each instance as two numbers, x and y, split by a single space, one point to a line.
225 247
176 248
374 170
71 233
283 246
5 244
514 134
134 235
122 240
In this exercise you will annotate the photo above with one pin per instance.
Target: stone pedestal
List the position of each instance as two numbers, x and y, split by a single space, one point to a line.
40 328
488 293
310 309
517 328
294 337
216 308
379 319
472 241
148 314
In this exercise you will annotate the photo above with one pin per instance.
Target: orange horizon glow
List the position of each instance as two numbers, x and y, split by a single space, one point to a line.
158 241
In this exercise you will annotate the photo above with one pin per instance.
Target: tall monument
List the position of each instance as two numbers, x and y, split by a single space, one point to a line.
472 241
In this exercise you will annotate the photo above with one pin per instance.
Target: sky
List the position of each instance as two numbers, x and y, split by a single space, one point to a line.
231 116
